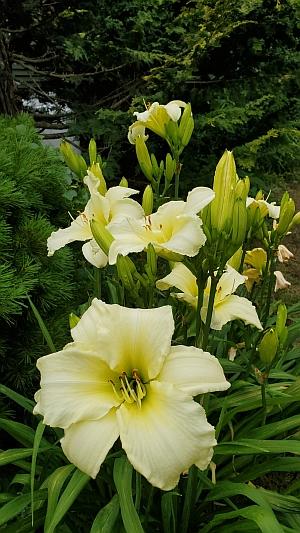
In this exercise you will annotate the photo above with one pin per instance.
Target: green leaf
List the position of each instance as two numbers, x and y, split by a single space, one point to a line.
9 456
254 446
276 428
17 505
122 479
74 487
18 398
263 517
107 517
36 444
42 326
20 432
168 512
54 484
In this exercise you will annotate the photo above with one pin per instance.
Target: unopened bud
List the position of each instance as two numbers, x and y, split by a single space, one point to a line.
124 273
73 320
151 260
147 202
170 167
96 170
295 221
143 157
281 321
186 126
123 182
74 161
268 347
242 189
101 235
172 132
92 151
224 185
286 216
239 222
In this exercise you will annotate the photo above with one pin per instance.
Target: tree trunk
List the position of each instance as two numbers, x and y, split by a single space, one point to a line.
8 98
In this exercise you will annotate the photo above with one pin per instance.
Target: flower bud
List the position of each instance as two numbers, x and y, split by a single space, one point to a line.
224 185
96 170
74 161
92 151
155 167
281 320
295 221
152 260
124 273
186 126
172 132
239 222
242 189
286 216
147 202
170 167
101 235
73 320
268 347
123 182
144 157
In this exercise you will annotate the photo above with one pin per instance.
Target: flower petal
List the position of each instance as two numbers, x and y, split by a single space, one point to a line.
181 278
130 236
119 193
198 198
166 435
79 230
193 371
233 308
94 254
229 282
187 236
86 444
127 338
126 208
75 385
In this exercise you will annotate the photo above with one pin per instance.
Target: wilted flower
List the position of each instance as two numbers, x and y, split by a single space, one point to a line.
281 282
108 208
257 259
175 228
284 254
227 306
122 378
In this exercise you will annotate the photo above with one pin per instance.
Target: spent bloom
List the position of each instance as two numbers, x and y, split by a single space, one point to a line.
281 282
108 208
174 228
284 254
120 377
255 261
227 306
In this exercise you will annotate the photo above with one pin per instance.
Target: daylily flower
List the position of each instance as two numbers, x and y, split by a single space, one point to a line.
257 259
281 282
174 228
155 119
227 306
122 378
273 209
284 254
112 207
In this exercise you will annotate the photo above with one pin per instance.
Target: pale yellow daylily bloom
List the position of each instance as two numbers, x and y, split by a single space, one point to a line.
174 228
227 306
155 118
273 209
122 378
112 207
257 260
281 282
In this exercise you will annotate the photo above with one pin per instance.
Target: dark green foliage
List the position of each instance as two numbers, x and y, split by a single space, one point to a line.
33 183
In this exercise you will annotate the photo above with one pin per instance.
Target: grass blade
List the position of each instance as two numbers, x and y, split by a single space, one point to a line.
122 479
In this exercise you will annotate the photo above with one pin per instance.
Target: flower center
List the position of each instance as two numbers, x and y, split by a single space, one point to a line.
131 389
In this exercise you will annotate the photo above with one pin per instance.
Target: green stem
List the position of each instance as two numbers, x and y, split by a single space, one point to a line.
270 270
189 499
177 174
201 286
264 403
210 308
97 282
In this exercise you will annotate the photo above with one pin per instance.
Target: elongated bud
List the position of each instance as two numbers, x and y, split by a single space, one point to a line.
155 167
281 323
286 216
92 151
123 182
124 273
74 161
151 260
259 195
147 202
170 167
239 222
73 320
242 189
101 235
143 157
268 347
224 185
172 132
295 221
96 170
186 126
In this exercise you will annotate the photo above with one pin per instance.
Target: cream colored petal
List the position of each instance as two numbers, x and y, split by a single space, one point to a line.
75 386
229 282
92 182
184 296
198 198
166 435
130 236
274 210
94 255
135 130
126 338
181 278
173 109
126 208
79 230
119 193
187 236
193 371
87 443
233 308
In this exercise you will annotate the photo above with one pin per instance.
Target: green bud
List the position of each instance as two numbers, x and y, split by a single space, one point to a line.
259 195
170 167
242 189
224 185
123 182
285 198
286 216
143 157
295 221
101 235
124 273
147 202
73 320
96 170
74 161
92 151
281 321
155 167
172 132
239 222
152 260
268 347
186 126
